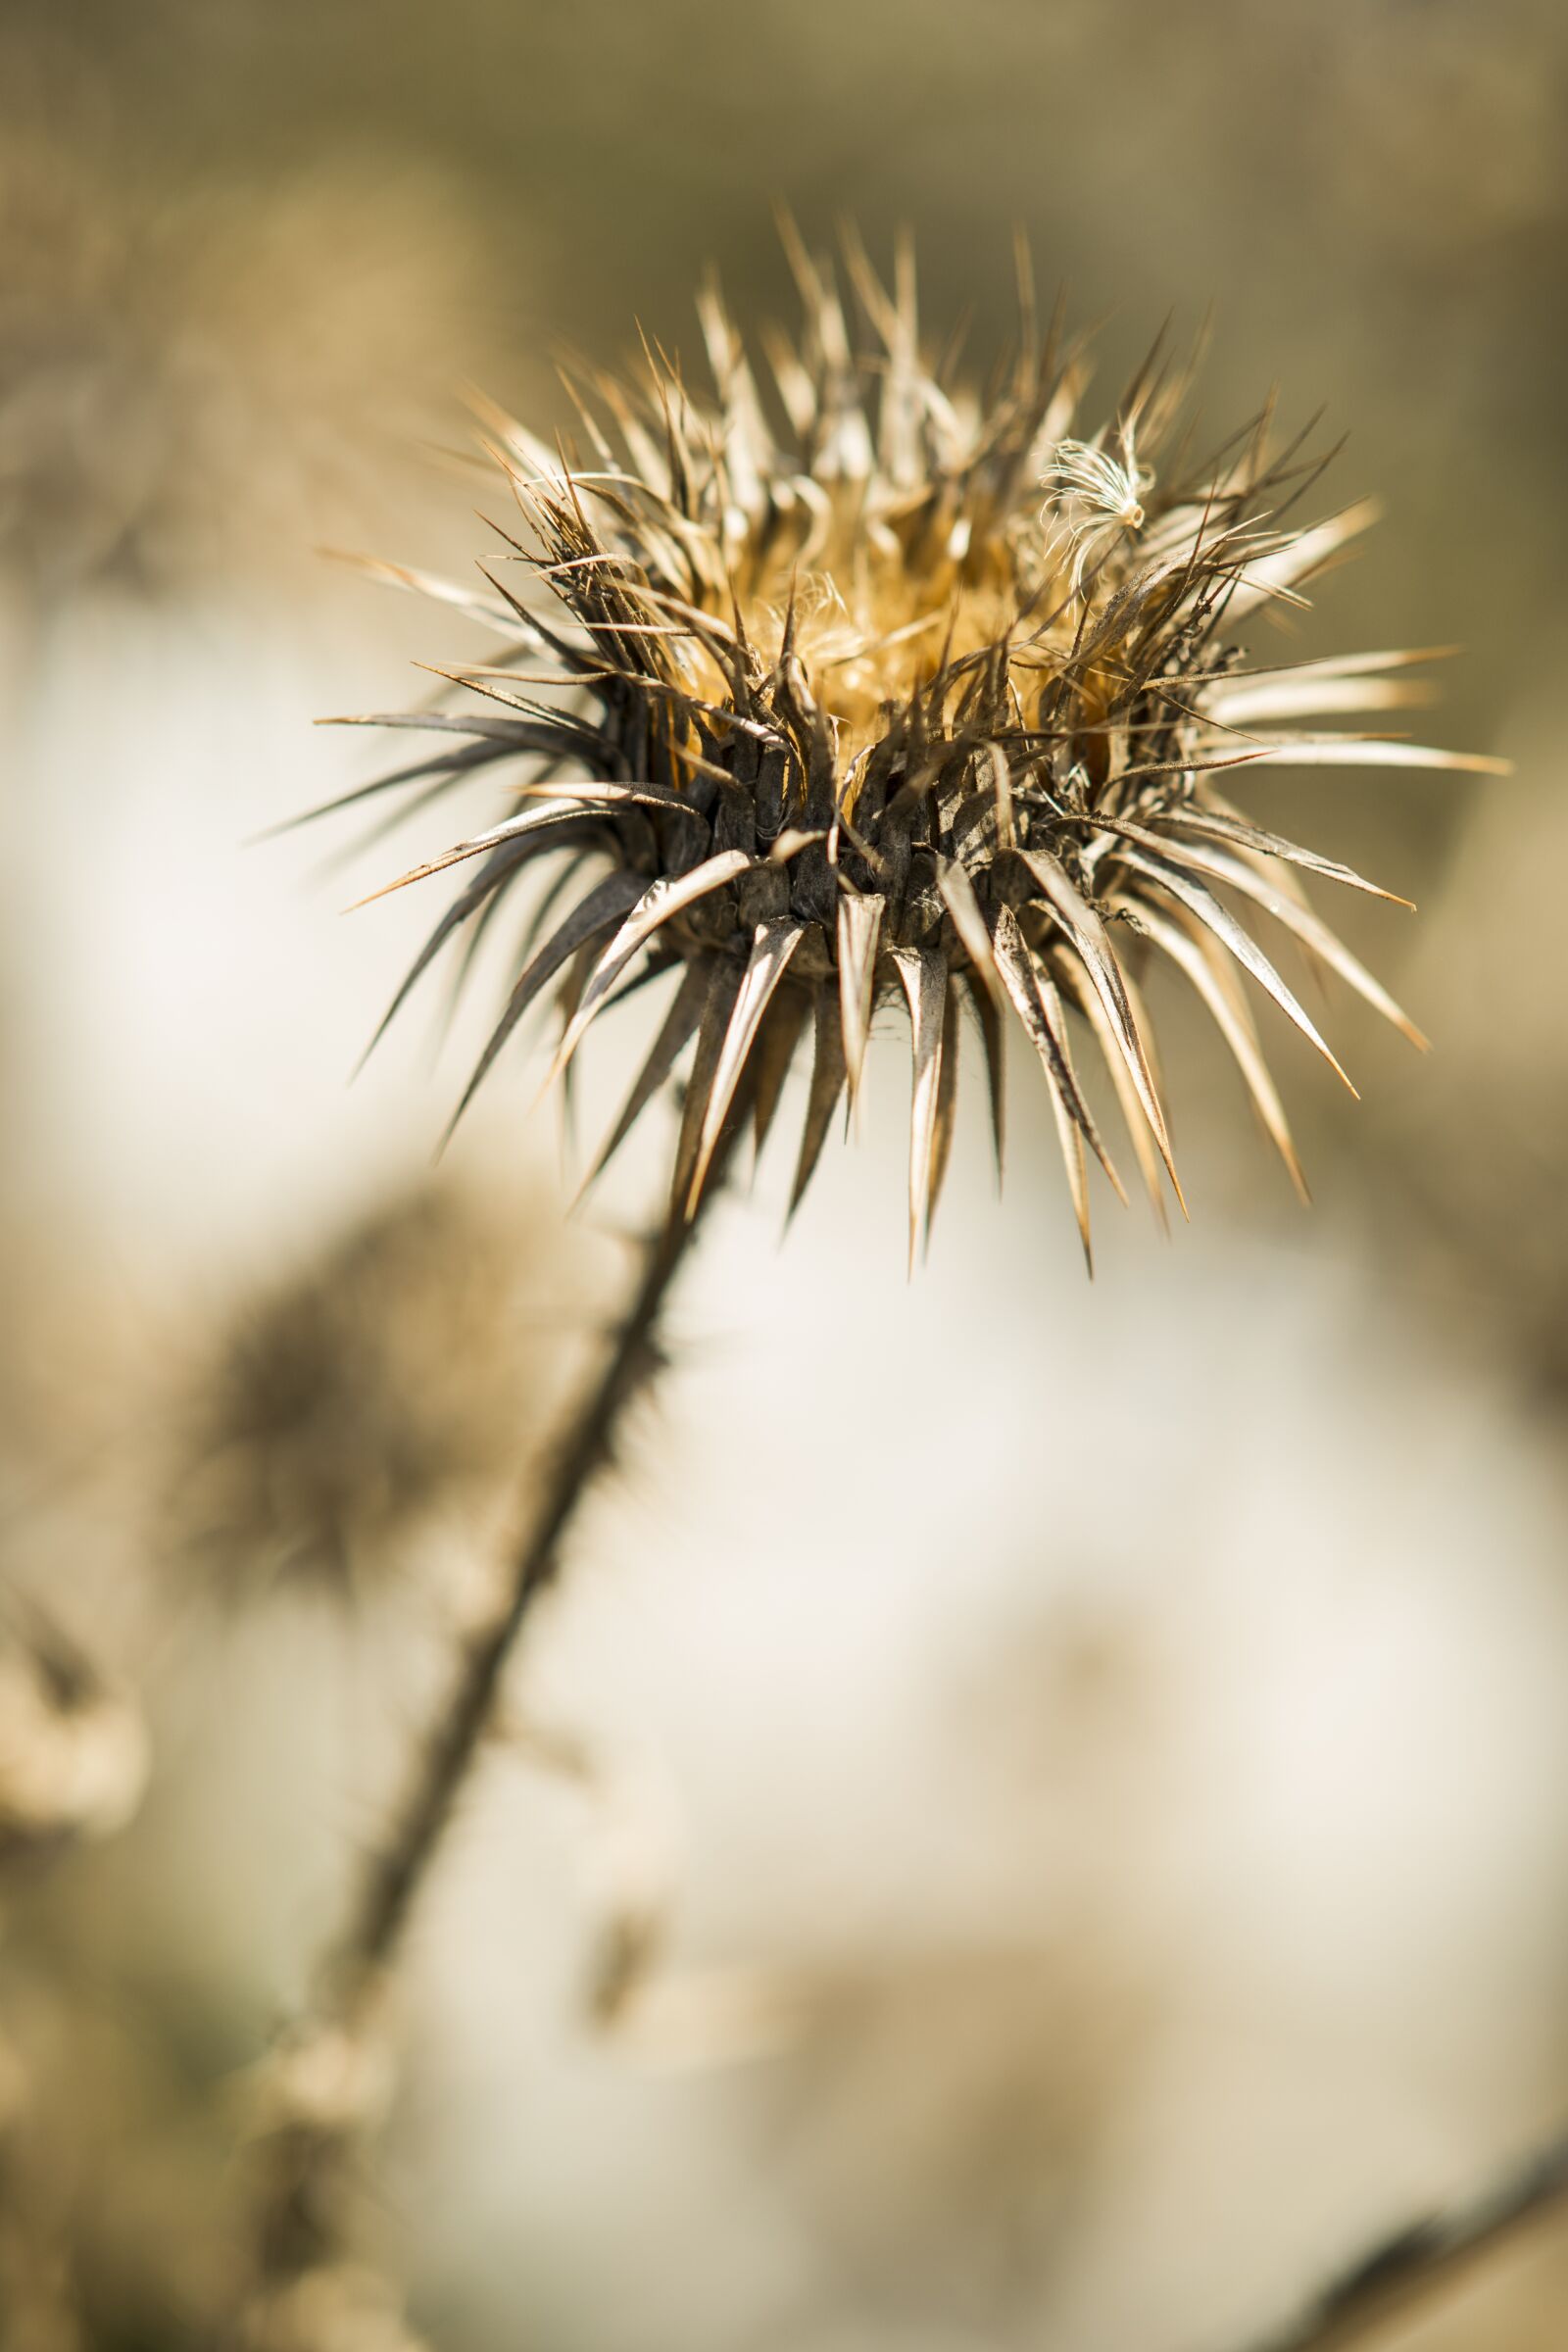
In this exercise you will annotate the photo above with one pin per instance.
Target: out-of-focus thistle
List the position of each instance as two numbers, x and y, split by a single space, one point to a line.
185 377
317 1450
72 1765
868 689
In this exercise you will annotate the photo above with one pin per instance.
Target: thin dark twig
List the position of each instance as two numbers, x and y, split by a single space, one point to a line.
397 1869
1426 2258
309 2150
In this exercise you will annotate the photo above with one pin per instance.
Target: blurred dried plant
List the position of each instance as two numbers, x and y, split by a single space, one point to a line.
38 2303
375 1398
1499 1098
193 382
656 2010
313 2105
72 1764
72 1750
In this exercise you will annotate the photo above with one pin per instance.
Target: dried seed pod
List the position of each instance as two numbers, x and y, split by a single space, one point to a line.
73 1750
866 690
310 2105
339 2307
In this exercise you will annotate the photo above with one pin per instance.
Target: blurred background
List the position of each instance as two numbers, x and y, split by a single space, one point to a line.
1085 1769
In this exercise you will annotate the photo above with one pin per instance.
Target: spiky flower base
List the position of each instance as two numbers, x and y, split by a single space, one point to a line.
872 689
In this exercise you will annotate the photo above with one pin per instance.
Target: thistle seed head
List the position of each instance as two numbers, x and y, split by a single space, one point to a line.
849 686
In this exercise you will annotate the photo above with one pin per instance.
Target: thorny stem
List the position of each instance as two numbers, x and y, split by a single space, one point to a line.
397 1870
303 2182
1406 2271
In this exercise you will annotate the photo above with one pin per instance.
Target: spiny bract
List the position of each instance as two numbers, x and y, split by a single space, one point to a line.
864 687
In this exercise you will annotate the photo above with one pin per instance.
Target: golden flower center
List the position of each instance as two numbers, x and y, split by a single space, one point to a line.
882 606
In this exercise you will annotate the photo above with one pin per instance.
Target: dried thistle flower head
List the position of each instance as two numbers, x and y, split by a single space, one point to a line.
864 688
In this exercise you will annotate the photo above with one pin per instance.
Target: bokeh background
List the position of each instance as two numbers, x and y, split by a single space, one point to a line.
1087 1769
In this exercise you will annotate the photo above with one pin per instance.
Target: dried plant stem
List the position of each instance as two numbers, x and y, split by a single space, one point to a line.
1408 2269
315 2120
397 1870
